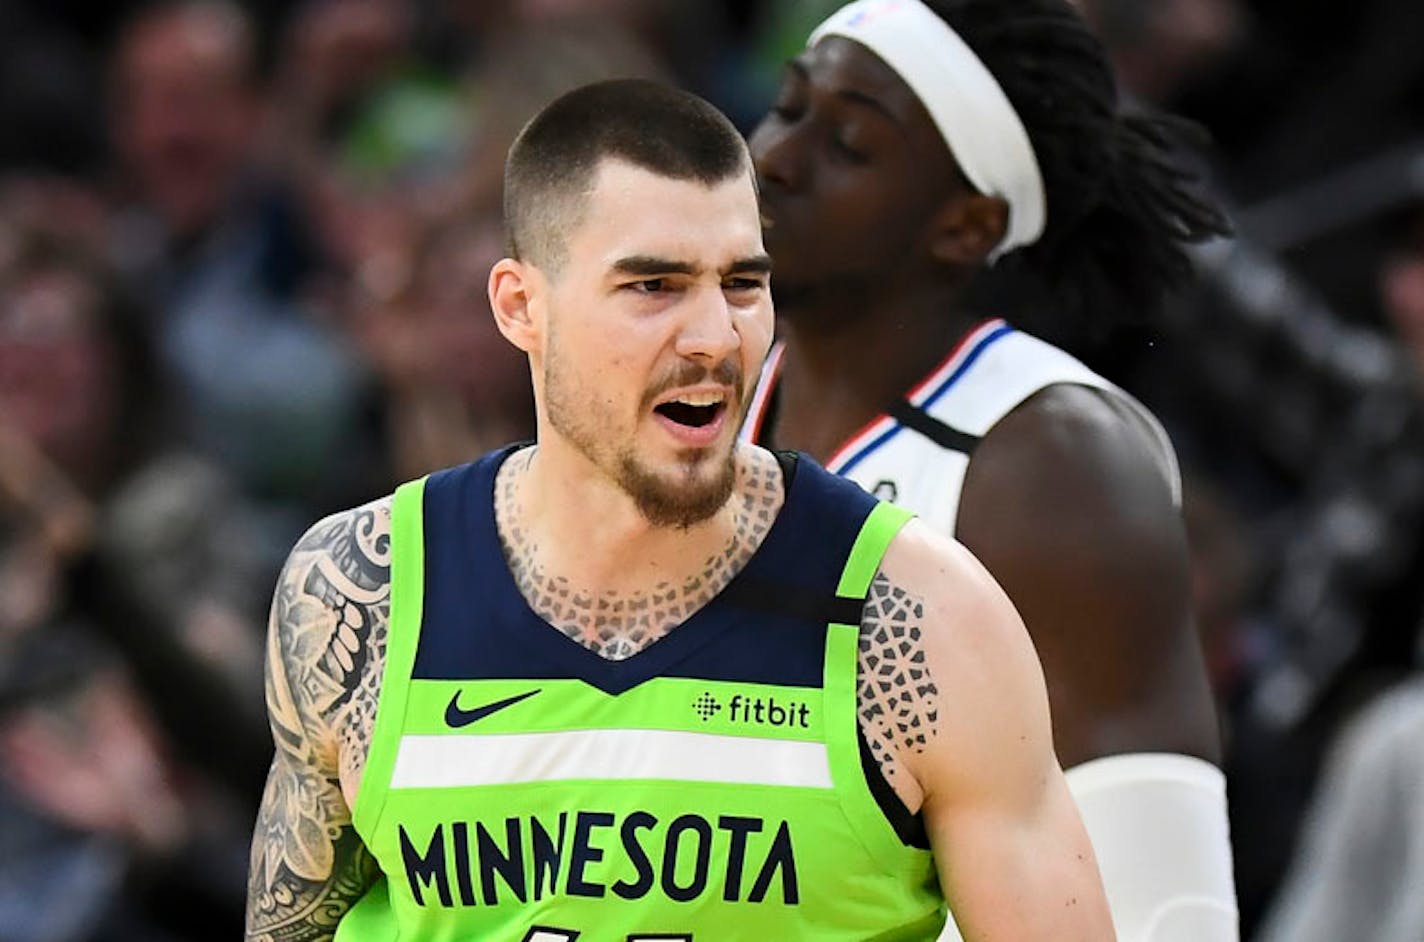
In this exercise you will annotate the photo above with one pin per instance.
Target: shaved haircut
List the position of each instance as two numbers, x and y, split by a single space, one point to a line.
551 166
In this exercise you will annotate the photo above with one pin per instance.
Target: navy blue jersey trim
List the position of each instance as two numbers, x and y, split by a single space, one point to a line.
910 828
768 626
783 599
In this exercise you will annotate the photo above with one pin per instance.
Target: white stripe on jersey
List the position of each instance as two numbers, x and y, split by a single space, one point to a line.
456 761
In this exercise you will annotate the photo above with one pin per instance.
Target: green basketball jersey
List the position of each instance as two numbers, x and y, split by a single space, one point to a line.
519 788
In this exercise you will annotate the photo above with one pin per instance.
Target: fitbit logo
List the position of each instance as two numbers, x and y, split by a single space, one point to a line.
758 711
767 711
706 706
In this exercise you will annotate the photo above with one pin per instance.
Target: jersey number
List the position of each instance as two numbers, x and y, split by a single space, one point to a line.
547 934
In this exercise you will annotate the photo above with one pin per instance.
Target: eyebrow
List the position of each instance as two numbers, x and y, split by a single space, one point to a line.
651 265
751 265
645 265
852 95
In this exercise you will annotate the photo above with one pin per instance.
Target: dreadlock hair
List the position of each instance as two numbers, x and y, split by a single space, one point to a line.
1121 208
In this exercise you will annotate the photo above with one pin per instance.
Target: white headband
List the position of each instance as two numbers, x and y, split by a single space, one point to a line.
972 112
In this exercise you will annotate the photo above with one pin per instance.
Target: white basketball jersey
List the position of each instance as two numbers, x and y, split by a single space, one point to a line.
916 455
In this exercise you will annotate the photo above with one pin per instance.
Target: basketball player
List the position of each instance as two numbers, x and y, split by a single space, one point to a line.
911 146
619 684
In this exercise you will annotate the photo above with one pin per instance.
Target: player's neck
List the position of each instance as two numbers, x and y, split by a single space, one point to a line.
585 530
840 373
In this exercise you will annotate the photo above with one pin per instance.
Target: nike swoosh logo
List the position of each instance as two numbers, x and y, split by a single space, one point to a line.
455 717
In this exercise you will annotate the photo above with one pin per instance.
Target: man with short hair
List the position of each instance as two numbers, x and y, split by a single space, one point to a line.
913 146
621 684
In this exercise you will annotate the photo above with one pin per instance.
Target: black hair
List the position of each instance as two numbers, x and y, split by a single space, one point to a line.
1122 208
651 125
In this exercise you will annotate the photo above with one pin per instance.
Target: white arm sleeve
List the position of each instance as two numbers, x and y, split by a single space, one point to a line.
1159 830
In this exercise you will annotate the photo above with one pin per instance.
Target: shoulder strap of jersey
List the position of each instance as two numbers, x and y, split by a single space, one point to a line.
842 658
402 640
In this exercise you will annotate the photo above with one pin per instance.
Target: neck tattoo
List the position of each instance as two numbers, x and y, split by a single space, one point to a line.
619 624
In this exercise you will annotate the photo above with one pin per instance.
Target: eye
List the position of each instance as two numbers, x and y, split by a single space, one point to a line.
786 108
849 151
648 286
744 288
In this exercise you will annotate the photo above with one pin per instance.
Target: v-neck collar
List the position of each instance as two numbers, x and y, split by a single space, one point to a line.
517 621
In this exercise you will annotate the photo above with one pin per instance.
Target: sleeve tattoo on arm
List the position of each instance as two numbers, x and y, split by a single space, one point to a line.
898 699
326 647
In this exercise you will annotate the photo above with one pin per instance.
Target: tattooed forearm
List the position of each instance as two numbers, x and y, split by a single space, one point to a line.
302 894
326 646
899 703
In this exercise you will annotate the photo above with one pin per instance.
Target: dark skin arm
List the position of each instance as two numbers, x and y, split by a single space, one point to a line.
1066 502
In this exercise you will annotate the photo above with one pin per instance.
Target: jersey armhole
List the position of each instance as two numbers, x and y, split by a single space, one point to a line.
402 640
909 826
864 809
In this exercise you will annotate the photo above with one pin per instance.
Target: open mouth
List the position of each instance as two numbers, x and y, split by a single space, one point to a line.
694 414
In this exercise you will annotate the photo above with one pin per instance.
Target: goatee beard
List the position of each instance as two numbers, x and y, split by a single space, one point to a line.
680 504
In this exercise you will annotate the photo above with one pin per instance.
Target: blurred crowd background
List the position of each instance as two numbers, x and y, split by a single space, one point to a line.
243 251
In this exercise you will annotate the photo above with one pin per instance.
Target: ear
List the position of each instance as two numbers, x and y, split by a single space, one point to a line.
510 284
967 229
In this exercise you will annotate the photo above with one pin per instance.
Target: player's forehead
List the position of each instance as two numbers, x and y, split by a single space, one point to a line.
840 66
632 211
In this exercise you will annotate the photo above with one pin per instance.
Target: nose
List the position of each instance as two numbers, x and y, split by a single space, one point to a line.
709 331
777 152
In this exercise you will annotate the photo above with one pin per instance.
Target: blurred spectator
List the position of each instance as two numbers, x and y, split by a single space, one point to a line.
131 733
454 387
221 256
419 234
1361 861
1360 858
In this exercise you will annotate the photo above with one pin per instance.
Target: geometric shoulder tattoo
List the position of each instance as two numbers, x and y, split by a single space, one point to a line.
897 697
326 649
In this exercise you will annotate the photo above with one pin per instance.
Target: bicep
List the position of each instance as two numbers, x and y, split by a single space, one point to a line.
1019 869
1014 858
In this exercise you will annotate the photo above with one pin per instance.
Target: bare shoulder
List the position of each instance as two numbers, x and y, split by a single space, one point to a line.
329 619
941 649
1074 439
1069 503
1068 493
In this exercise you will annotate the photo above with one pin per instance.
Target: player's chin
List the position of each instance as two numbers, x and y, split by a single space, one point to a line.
683 488
699 464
